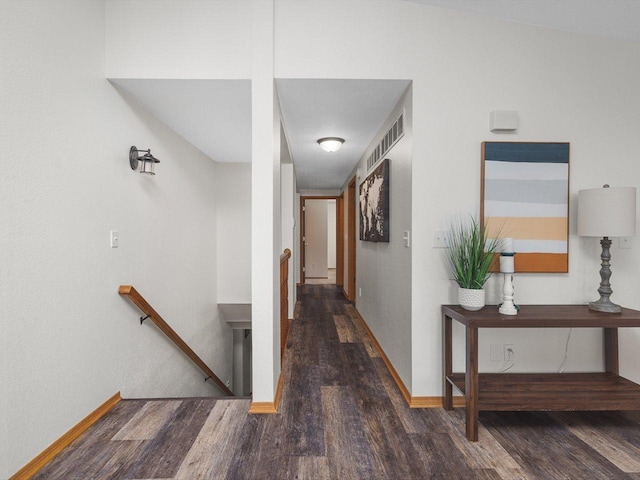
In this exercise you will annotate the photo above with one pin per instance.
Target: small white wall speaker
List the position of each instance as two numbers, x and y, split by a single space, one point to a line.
503 120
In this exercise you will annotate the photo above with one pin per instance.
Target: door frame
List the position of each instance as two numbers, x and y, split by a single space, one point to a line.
350 292
340 241
302 231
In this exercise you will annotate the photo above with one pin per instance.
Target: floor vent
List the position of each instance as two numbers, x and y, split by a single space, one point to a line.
394 134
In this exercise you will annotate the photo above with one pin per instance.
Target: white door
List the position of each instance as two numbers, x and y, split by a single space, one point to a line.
315 253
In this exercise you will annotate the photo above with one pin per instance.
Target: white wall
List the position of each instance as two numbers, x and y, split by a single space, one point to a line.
233 239
315 234
178 39
265 206
296 235
383 270
69 341
331 234
288 209
319 193
345 236
566 87
219 40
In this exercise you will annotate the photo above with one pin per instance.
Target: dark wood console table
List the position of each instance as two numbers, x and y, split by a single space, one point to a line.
537 391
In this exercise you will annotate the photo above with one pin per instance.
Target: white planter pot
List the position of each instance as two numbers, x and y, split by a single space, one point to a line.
471 299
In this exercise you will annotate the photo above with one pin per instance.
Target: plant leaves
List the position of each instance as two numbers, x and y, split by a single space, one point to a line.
471 253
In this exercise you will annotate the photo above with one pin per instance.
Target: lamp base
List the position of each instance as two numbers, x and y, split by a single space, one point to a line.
605 305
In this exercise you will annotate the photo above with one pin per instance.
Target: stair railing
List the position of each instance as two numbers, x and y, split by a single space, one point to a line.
284 299
133 295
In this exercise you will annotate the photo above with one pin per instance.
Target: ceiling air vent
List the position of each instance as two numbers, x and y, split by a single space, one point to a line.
394 134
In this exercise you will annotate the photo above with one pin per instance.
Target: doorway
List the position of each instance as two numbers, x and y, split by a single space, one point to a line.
320 232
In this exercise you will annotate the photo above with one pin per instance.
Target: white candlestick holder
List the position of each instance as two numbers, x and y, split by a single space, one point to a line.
507 267
508 307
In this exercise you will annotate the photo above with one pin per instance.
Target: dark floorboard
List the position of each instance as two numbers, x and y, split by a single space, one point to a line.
342 417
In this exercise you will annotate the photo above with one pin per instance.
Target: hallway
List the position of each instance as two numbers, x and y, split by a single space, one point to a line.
330 280
342 417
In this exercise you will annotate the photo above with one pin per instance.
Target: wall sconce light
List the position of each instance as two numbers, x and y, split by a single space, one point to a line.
331 144
147 160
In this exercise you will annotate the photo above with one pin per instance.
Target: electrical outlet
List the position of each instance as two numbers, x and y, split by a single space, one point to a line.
440 239
496 353
509 353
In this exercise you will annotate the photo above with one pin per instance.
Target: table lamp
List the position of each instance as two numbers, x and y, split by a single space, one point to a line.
606 212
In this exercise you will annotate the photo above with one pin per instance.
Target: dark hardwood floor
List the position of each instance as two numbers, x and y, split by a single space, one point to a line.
342 417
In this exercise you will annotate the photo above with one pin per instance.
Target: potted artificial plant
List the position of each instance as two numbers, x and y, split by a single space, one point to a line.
471 254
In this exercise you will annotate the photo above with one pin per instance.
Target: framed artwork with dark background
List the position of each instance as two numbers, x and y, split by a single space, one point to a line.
374 205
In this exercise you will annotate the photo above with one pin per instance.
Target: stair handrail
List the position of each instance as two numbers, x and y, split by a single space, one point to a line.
284 299
137 299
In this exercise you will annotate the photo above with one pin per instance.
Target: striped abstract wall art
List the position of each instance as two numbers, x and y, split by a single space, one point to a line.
525 196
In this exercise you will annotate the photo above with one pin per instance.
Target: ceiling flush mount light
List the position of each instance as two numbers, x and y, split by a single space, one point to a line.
148 161
331 144
606 212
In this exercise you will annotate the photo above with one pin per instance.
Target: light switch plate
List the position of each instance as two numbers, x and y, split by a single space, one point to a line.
406 238
114 239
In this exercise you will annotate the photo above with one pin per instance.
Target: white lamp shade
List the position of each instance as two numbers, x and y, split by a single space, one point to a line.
607 212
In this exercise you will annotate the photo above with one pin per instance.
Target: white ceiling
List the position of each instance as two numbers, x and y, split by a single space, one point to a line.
352 109
215 115
212 115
